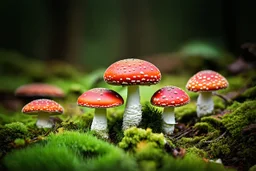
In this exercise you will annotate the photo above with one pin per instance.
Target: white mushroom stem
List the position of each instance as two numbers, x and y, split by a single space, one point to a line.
43 120
168 120
132 114
205 104
99 122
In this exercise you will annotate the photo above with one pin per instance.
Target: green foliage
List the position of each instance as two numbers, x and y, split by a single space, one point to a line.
71 151
133 136
240 117
151 118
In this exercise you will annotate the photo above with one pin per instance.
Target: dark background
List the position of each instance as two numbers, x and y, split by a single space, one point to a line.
96 33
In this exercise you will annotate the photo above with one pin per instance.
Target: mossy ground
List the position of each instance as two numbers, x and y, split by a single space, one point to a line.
228 134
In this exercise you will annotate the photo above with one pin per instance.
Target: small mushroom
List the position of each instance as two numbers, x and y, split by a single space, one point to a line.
100 99
132 73
43 108
39 90
205 82
169 97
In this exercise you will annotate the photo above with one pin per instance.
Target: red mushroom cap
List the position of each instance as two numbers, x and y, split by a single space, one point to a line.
43 105
170 96
39 89
132 72
100 98
206 80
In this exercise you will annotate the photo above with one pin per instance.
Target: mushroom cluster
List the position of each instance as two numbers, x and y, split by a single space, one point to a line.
131 73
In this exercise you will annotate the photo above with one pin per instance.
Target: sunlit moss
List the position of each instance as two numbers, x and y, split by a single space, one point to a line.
196 151
133 136
204 127
216 123
240 117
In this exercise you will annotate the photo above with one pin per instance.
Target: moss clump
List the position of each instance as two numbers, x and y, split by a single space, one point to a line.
10 132
151 118
186 142
133 136
220 147
197 152
204 127
186 113
82 151
216 123
243 116
42 158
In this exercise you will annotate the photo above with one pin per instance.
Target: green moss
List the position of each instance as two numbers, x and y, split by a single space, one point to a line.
190 162
239 118
253 168
133 136
10 132
151 118
19 142
81 152
186 142
197 152
204 127
220 148
186 113
42 158
216 123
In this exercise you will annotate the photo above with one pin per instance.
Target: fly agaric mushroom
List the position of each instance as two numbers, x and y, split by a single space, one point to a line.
100 99
169 97
205 82
39 90
132 73
44 108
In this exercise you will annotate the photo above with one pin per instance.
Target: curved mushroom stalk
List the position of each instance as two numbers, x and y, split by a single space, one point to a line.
168 120
99 122
133 113
44 121
205 104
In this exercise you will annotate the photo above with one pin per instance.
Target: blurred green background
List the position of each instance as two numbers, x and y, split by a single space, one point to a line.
95 33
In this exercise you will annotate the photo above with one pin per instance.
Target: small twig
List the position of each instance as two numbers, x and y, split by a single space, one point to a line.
221 136
185 133
226 99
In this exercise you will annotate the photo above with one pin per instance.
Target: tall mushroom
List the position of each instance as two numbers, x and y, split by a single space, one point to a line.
43 108
169 97
100 99
132 73
205 82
